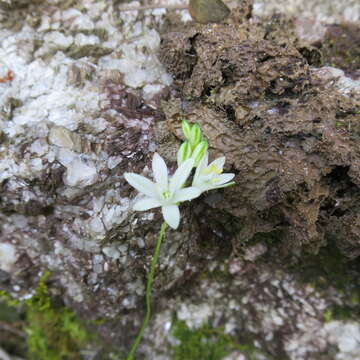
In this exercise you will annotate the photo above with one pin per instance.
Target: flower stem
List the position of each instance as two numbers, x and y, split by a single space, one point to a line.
150 279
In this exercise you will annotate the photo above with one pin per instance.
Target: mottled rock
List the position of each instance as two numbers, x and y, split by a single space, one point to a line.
82 93
277 124
8 256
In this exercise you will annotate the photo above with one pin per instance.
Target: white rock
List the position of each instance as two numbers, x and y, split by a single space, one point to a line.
194 315
36 165
79 174
96 226
8 256
140 64
337 78
345 335
83 40
111 252
150 90
62 137
82 22
57 39
71 14
113 161
39 147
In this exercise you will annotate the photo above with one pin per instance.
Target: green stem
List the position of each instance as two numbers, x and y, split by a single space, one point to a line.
149 284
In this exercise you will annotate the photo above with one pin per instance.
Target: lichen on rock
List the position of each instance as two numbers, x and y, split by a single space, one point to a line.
88 92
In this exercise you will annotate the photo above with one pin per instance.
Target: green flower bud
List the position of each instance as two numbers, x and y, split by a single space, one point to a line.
195 136
200 151
186 128
184 152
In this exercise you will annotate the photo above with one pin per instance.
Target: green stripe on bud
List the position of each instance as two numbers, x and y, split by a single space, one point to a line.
186 128
184 153
195 136
200 151
226 185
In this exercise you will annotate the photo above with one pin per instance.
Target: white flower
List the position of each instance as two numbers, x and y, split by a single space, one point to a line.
208 177
165 192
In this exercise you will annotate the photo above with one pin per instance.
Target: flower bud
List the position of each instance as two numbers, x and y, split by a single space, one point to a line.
186 128
184 152
195 136
200 151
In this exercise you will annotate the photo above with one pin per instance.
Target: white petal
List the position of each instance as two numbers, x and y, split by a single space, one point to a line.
224 178
219 162
181 174
160 171
171 215
202 165
225 185
141 184
146 204
188 193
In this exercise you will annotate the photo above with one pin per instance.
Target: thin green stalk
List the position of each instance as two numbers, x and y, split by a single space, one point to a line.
150 279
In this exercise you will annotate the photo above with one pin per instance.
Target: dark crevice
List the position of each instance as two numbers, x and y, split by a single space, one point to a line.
230 113
339 173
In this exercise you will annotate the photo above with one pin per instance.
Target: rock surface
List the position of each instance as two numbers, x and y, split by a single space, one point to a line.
88 92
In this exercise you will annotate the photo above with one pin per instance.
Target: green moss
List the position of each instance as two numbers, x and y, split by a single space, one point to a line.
205 343
341 47
329 269
54 332
7 299
7 313
271 237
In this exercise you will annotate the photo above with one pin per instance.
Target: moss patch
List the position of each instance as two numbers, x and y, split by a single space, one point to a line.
341 47
330 269
53 331
11 325
205 343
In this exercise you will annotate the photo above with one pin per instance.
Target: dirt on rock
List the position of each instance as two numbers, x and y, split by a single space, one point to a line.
291 140
341 48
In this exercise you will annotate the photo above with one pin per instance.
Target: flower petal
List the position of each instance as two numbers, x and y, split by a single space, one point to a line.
181 174
188 193
224 178
224 185
171 215
202 165
160 171
219 163
146 204
141 184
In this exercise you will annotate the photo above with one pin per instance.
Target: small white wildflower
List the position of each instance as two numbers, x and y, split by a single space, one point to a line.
167 193
208 177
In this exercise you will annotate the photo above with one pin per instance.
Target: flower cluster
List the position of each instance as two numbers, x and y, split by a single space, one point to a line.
169 192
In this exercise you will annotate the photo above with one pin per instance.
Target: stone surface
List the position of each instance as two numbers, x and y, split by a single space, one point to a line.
85 96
